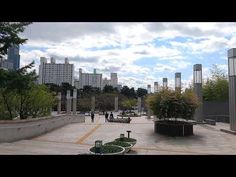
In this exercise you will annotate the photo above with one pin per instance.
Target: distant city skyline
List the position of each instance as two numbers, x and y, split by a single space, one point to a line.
140 53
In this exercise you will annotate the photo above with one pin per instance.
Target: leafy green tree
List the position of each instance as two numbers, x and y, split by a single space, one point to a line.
128 104
141 92
128 92
108 89
172 104
216 88
9 35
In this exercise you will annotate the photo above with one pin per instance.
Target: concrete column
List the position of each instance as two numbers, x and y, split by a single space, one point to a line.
139 104
197 81
149 113
116 104
232 88
74 100
59 103
93 103
68 102
178 82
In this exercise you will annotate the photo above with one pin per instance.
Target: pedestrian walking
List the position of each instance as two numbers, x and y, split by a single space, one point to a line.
106 116
92 116
111 116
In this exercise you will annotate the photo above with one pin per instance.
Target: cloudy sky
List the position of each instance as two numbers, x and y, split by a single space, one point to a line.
140 53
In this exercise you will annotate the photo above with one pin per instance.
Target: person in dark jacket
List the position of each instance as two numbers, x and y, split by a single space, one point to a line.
106 116
92 116
111 116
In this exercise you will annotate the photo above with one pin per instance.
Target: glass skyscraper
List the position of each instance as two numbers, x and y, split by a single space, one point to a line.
13 56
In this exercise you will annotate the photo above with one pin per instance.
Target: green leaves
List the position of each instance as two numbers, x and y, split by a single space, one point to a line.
171 104
216 87
9 32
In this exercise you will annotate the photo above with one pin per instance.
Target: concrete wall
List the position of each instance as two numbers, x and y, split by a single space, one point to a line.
216 110
17 130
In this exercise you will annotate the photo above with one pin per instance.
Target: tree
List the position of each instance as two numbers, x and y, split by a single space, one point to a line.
9 32
216 88
126 91
128 104
19 95
141 92
172 104
108 89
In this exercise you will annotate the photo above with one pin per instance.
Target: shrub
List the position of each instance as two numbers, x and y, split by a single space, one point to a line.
173 104
125 139
108 149
119 143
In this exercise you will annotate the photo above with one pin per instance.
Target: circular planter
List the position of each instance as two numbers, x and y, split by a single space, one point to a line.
128 140
123 144
121 152
173 128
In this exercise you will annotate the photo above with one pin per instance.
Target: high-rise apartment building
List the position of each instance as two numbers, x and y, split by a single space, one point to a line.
13 56
90 79
112 82
56 73
155 87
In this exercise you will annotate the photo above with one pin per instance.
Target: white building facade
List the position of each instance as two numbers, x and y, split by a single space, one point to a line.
90 79
56 73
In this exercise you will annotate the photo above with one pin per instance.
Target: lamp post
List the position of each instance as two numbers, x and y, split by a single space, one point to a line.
232 87
128 131
197 81
98 146
178 82
165 83
122 136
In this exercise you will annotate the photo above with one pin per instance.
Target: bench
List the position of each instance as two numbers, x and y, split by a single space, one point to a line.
210 121
120 120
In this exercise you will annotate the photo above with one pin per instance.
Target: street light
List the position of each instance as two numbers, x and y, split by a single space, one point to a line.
128 131
122 136
197 74
165 83
177 81
232 87
197 81
98 146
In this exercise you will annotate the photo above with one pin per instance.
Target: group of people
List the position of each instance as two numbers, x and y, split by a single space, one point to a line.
106 116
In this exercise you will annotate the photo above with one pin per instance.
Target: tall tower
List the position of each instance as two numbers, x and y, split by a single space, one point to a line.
155 87
13 56
114 80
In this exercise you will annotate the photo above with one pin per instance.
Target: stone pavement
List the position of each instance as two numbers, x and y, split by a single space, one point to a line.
77 138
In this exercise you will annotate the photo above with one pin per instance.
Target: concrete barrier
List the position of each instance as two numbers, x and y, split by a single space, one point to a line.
18 130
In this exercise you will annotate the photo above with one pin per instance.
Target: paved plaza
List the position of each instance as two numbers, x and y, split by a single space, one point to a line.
77 138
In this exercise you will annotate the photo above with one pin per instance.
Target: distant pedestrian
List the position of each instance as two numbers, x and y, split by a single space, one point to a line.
92 116
106 116
111 116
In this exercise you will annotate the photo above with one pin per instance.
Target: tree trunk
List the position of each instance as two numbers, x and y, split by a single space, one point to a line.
8 107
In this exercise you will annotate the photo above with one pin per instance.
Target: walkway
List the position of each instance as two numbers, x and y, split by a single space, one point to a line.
79 137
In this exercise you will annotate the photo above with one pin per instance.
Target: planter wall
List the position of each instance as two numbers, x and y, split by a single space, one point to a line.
25 129
172 129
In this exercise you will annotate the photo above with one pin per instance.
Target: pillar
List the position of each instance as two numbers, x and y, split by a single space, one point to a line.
59 103
197 81
93 104
74 100
139 104
116 104
178 82
68 102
